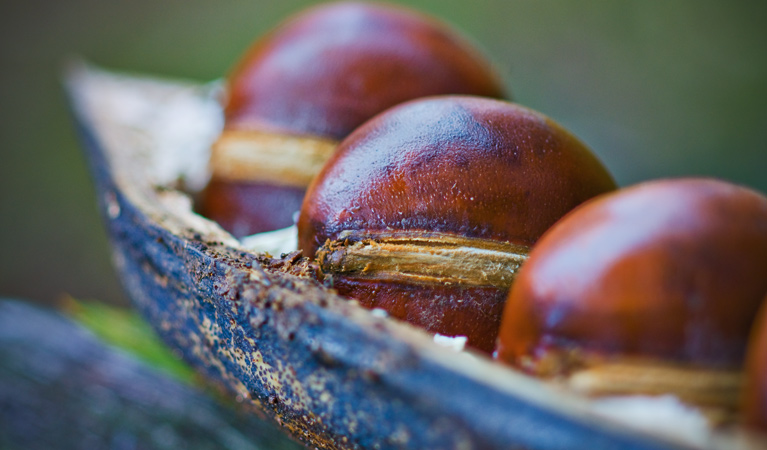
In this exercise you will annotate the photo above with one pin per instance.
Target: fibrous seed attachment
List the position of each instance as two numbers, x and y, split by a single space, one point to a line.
423 257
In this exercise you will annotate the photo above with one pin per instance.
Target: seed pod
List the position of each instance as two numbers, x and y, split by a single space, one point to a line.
308 84
427 210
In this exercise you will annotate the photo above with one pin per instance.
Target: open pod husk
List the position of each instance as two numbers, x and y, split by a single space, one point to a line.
330 373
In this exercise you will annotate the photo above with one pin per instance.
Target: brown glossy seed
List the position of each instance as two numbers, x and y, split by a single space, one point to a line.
754 399
664 273
242 207
428 209
311 81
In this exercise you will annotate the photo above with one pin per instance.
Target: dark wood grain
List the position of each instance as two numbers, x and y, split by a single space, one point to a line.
60 387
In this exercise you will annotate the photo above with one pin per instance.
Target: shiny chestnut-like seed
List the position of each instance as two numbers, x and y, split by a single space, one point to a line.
754 397
651 290
428 210
308 84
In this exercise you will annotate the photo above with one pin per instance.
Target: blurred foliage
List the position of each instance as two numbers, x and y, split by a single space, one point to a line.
656 88
126 330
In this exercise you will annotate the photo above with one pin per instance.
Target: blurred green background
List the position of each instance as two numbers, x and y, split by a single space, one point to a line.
656 88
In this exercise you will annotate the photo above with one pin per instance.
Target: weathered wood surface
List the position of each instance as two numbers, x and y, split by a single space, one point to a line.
329 372
62 388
